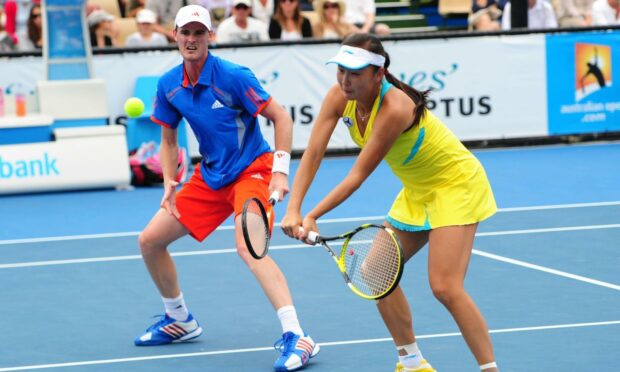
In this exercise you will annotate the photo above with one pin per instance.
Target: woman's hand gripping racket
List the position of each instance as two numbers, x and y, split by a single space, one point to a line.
371 259
256 223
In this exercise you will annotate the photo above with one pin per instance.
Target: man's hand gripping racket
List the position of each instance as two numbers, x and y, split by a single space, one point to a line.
256 223
370 260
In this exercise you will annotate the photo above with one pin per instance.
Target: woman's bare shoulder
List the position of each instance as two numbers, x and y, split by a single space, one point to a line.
398 99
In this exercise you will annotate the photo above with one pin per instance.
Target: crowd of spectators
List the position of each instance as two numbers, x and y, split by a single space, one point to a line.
234 21
492 15
238 21
20 25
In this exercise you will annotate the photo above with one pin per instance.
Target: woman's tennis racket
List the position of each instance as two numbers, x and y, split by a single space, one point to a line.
370 260
256 223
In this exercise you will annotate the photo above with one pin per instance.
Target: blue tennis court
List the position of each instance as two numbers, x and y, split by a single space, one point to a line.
545 273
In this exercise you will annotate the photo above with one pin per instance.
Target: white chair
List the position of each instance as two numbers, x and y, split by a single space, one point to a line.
74 100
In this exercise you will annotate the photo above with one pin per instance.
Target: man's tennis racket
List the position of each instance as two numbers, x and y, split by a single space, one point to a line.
256 223
370 260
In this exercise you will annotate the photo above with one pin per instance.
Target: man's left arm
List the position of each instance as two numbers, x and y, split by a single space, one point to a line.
283 130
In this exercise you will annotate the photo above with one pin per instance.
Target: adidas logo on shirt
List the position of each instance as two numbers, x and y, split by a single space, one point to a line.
216 105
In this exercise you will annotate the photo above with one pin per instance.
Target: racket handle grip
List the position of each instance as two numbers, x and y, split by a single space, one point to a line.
274 198
313 236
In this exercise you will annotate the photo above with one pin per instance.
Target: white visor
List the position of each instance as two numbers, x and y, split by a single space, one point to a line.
354 58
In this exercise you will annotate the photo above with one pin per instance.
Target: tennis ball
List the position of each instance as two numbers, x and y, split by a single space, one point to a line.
134 107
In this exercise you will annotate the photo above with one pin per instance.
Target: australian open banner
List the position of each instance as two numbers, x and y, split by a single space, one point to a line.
482 87
583 82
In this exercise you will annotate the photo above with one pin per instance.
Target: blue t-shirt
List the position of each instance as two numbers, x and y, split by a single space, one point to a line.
222 110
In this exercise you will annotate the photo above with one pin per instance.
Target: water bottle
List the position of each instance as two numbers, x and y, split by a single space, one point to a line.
20 101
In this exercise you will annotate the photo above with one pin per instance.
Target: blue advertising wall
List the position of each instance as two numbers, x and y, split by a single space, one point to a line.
583 82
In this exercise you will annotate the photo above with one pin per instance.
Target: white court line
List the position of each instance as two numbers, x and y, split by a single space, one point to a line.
274 247
300 246
322 344
323 221
559 206
547 230
546 269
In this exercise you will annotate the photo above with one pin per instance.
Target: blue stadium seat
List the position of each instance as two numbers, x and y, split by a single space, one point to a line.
142 129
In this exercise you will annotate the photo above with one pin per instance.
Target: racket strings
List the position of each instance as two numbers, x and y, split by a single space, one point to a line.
257 228
372 261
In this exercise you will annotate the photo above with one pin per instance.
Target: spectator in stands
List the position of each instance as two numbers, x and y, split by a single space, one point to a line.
573 13
331 22
33 37
241 27
485 15
218 9
132 7
6 41
361 13
17 12
288 23
540 14
262 10
10 12
606 13
166 10
146 35
103 30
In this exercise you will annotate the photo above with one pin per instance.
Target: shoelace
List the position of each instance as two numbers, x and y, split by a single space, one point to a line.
160 322
286 344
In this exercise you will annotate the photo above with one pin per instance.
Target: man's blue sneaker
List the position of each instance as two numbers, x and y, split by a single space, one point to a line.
296 351
168 330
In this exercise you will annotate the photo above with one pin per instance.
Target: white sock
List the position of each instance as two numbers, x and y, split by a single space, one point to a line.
175 308
289 321
488 366
413 357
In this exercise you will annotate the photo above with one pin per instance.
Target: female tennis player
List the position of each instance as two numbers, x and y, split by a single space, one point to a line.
445 194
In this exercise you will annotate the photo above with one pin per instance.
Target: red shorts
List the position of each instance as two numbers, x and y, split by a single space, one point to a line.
203 209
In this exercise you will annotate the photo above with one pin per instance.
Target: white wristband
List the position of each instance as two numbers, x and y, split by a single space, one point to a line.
281 162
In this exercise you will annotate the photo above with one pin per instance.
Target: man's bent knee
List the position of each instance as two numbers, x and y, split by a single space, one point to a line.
149 245
245 255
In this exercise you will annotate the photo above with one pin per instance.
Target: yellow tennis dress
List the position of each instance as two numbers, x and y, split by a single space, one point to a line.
444 184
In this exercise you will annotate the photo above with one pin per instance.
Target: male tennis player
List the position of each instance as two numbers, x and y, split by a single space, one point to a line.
220 101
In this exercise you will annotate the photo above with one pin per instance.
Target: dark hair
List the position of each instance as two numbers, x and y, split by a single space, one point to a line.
34 32
373 44
297 17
